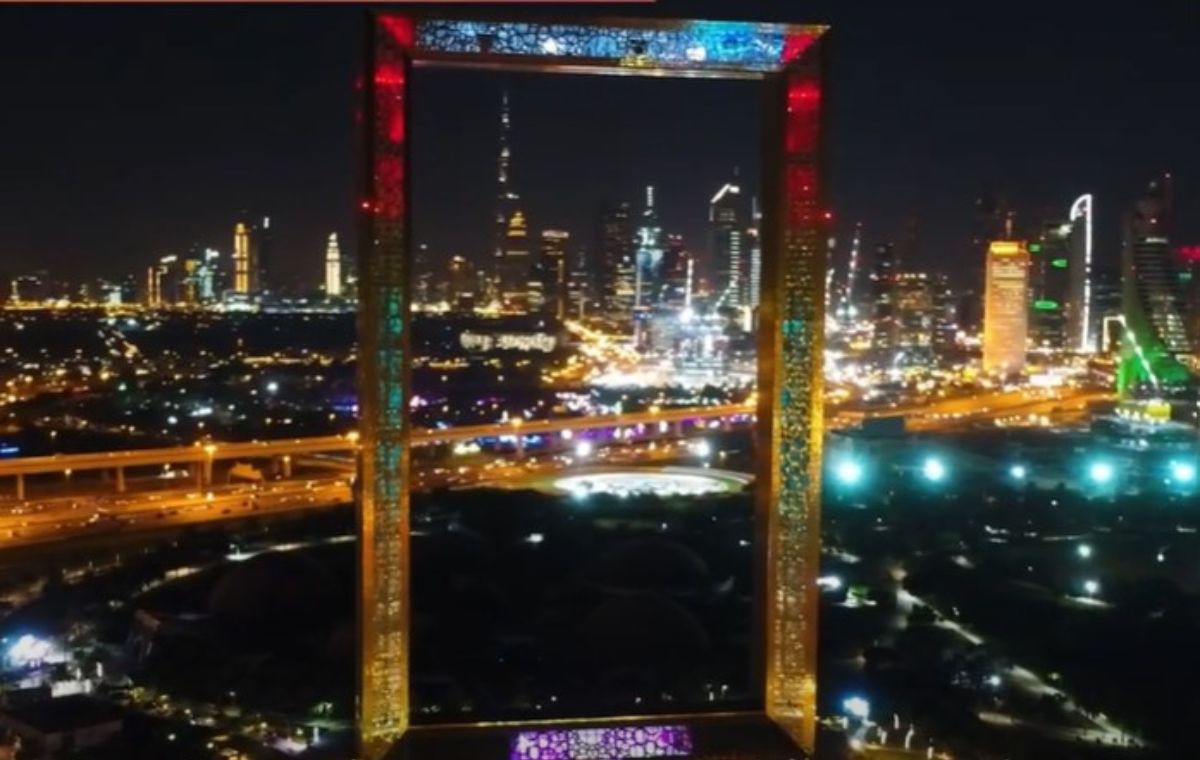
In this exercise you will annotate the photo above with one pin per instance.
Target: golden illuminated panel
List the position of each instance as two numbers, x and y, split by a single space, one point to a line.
383 365
790 384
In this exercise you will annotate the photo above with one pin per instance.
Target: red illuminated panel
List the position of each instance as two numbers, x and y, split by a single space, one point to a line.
795 45
1189 254
390 80
804 106
401 29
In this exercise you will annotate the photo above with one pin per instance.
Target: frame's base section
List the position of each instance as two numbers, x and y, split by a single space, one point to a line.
698 737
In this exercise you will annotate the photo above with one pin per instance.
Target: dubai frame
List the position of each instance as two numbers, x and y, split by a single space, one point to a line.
786 61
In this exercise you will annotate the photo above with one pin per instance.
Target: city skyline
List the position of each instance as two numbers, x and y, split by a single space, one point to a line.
940 149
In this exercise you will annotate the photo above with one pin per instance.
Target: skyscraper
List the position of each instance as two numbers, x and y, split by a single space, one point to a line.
1050 287
551 278
463 284
754 243
333 267
883 297
579 284
268 275
727 227
677 264
1005 307
1153 298
513 265
649 255
514 274
914 310
1080 291
615 264
243 264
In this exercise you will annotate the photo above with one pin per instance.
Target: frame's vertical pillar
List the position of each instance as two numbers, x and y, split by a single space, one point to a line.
383 387
790 389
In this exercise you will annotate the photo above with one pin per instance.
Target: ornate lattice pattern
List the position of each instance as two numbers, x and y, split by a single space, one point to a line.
688 45
606 743
383 358
791 383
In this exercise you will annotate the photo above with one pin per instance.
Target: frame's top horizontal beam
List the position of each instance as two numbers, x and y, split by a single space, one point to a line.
648 44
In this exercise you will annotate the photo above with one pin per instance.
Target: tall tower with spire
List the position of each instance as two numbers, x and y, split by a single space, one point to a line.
333 267
511 250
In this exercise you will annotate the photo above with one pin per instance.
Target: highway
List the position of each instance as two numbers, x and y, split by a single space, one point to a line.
325 480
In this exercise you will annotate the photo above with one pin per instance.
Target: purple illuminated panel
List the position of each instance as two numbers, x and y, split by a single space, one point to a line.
605 743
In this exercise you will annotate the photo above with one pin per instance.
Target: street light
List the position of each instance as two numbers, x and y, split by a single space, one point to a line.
1018 472
1084 551
583 449
703 449
1091 587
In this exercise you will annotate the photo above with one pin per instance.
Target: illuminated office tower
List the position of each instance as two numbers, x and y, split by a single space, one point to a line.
153 286
514 274
267 275
727 226
1153 296
1080 295
914 310
579 285
551 282
615 265
945 313
333 267
189 273
463 285
1005 307
676 264
648 257
754 255
883 297
1050 287
243 265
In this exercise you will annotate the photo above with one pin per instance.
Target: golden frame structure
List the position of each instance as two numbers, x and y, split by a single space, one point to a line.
787 60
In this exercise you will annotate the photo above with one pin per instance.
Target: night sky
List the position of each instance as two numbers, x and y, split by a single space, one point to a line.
131 132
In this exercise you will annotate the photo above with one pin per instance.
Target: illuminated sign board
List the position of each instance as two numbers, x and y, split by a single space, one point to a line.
1005 248
473 341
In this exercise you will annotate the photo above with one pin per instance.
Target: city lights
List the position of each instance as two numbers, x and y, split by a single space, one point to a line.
702 449
1084 551
830 582
1018 472
857 707
1091 587
583 449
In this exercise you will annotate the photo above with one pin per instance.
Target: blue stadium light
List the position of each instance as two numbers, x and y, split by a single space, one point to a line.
1183 473
1101 473
934 470
848 472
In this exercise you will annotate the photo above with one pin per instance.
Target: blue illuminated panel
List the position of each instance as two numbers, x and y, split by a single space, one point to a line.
687 45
